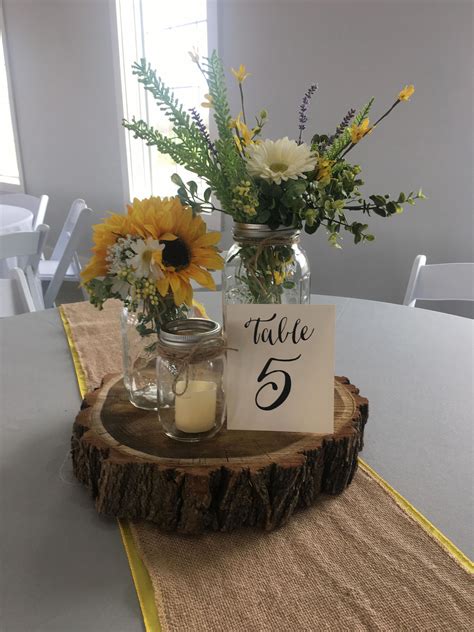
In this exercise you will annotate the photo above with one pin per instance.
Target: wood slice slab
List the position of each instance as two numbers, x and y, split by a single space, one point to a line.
238 478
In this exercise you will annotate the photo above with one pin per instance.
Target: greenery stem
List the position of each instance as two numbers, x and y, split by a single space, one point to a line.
242 102
386 113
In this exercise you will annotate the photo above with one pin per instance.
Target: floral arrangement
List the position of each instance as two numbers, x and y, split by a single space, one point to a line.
147 259
281 182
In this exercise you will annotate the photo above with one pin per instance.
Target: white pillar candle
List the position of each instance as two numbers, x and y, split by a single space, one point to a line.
195 409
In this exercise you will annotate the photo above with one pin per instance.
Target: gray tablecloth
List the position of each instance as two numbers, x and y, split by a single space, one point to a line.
64 568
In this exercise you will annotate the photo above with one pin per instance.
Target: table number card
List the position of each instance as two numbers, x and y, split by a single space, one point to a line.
281 376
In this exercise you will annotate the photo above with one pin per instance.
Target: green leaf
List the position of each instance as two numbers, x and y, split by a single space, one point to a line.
193 187
175 178
378 200
264 216
310 229
391 208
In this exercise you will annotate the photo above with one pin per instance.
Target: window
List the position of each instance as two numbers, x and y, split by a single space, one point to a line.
10 174
164 33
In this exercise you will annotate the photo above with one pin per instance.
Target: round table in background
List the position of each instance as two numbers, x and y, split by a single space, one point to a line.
13 219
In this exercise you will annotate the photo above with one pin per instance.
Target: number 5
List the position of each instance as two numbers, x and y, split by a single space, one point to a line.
286 387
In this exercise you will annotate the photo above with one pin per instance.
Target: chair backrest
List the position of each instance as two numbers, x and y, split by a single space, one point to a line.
81 225
25 244
67 229
439 282
15 294
37 205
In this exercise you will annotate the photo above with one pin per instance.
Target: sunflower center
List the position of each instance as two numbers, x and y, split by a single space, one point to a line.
176 254
278 166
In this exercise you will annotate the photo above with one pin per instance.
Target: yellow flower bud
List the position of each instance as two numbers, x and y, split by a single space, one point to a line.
406 93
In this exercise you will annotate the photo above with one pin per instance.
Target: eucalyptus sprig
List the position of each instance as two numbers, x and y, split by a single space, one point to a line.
188 147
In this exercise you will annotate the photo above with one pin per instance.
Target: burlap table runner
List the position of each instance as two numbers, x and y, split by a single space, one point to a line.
358 561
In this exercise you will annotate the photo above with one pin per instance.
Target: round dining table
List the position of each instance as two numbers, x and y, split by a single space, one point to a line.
13 219
64 567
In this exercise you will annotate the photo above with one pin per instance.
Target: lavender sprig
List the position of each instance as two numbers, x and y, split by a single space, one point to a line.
339 129
302 117
203 129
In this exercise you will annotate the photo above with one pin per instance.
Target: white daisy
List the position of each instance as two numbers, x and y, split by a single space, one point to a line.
279 160
142 263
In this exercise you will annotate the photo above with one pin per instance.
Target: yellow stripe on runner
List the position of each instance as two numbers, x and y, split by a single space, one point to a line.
140 575
409 509
80 373
141 579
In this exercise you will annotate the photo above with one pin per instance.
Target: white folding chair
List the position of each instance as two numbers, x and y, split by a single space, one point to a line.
37 205
15 295
27 247
439 282
64 264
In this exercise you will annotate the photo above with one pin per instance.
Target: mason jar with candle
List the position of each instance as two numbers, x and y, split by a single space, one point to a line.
190 378
266 266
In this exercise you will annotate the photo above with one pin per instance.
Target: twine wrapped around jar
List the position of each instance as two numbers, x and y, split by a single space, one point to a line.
191 354
267 241
259 243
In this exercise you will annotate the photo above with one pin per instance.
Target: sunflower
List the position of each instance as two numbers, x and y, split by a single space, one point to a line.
184 251
103 236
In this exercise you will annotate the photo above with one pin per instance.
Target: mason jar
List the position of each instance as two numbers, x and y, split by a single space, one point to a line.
139 349
190 378
266 266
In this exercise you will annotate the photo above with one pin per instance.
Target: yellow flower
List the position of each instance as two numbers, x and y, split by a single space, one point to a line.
103 236
241 74
189 251
324 170
238 143
406 93
209 101
359 131
245 136
279 277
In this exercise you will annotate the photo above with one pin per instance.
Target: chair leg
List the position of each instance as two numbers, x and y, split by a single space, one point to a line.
36 289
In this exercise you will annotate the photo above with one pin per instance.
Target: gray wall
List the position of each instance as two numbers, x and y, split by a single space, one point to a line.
65 99
66 102
356 49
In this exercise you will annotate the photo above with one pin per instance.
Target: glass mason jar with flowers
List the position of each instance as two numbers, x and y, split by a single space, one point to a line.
147 259
265 266
280 187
